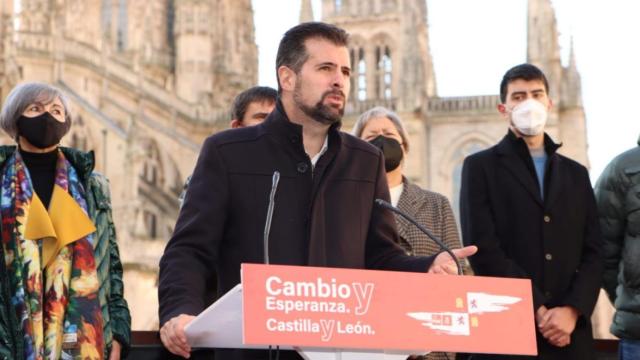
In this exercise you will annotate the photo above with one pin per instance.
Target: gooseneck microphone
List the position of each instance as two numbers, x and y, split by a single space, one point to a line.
267 229
444 247
267 226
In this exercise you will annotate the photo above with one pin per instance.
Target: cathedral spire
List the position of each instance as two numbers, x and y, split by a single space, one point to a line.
542 32
571 82
572 56
543 49
306 11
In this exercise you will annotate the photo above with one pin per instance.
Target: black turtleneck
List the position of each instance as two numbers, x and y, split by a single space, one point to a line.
42 168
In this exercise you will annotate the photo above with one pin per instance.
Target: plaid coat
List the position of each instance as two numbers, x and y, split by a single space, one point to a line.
433 211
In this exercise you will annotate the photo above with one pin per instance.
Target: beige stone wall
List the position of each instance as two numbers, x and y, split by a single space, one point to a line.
572 130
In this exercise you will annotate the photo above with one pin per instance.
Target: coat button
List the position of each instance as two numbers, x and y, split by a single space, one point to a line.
547 218
302 167
548 257
294 139
547 294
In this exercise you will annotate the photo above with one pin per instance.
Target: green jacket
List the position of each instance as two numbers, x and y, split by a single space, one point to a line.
618 195
115 312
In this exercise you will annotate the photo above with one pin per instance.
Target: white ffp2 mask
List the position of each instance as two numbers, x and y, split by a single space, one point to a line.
529 117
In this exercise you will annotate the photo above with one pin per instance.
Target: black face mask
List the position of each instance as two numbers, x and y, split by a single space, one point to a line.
42 131
391 149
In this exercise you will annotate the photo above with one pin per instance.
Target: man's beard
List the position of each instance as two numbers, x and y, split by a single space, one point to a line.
320 112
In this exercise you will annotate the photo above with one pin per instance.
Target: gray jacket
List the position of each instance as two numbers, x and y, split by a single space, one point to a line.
618 197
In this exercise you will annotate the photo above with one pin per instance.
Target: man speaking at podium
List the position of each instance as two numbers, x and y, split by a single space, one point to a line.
324 211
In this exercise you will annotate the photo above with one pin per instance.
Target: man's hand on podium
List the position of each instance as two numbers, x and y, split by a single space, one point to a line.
173 336
444 264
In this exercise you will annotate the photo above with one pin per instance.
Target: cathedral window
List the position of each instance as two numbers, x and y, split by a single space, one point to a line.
383 72
376 83
352 79
151 167
203 22
171 22
121 41
386 67
388 5
150 173
188 22
362 76
151 224
106 15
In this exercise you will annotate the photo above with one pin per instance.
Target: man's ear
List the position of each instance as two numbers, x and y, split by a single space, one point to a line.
287 78
550 106
235 123
502 109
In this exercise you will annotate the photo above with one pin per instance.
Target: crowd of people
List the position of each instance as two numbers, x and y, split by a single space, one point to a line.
526 211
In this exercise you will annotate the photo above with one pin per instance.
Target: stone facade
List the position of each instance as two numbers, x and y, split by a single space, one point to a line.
148 81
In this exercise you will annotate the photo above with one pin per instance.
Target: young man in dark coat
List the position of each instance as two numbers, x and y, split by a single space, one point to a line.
324 208
532 214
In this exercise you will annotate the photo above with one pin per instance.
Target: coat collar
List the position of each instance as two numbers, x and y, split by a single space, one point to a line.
289 134
82 162
515 156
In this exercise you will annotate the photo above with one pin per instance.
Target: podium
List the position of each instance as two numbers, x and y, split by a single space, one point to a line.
344 314
220 326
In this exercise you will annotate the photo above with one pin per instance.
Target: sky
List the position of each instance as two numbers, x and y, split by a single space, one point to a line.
490 37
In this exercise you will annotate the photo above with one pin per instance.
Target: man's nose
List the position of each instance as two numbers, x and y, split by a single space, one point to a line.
338 80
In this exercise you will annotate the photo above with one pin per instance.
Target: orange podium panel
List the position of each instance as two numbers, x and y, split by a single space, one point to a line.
364 309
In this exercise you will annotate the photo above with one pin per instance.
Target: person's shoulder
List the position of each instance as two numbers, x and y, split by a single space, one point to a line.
98 186
577 172
571 164
485 155
5 152
356 144
428 196
230 139
235 136
623 166
628 159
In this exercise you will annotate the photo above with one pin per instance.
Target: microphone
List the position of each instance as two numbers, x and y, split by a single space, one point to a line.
267 226
444 247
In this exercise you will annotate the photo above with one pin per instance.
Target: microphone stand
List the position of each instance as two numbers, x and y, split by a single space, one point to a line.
444 247
267 226
267 229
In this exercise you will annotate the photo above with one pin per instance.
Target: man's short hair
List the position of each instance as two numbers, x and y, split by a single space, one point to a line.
525 72
292 52
255 94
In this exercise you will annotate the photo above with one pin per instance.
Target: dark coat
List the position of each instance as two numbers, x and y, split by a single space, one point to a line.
322 217
618 197
555 242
